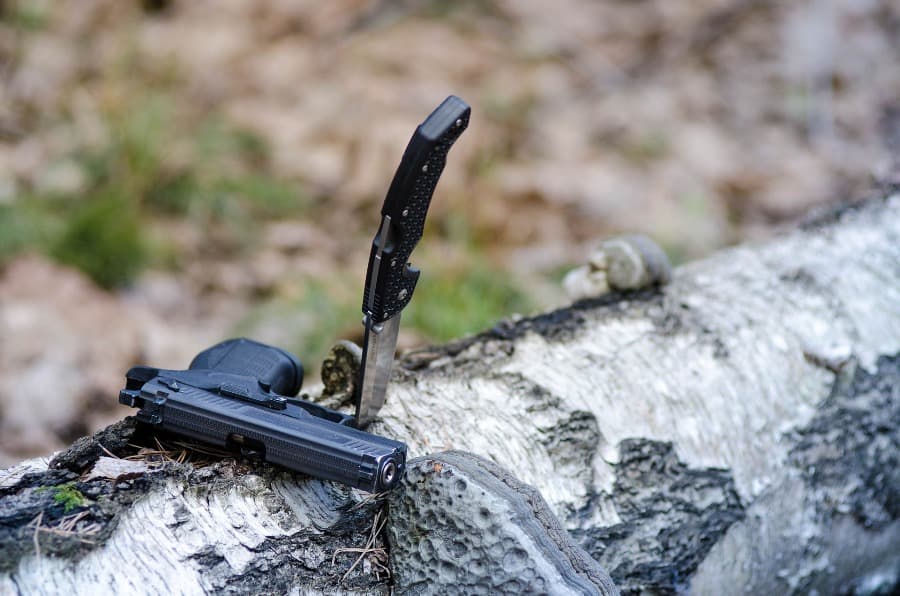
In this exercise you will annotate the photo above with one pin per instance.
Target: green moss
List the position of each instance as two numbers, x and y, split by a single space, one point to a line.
69 497
66 495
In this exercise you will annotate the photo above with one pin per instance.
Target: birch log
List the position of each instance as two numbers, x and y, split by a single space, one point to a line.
737 431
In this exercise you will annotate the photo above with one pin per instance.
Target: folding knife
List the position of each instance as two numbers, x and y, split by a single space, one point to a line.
390 279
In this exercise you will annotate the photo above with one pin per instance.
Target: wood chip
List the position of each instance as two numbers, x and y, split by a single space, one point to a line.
117 469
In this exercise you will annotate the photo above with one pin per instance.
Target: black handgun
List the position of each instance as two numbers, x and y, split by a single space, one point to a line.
236 394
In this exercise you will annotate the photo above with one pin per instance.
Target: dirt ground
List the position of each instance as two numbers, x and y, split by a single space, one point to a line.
249 144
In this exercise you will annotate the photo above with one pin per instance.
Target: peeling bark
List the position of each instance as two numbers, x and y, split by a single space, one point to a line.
736 430
214 525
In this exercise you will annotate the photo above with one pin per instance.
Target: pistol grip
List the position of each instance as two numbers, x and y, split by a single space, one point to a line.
277 370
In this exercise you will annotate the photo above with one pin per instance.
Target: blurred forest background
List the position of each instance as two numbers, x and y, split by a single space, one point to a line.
176 172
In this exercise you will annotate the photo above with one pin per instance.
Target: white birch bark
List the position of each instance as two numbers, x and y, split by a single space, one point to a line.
735 431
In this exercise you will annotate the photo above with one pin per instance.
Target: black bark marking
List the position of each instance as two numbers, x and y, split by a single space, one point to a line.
479 352
672 515
831 214
34 496
303 559
82 454
849 453
562 324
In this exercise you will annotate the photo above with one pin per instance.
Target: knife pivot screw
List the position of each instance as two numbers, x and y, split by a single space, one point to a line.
425 168
405 212
393 263
402 294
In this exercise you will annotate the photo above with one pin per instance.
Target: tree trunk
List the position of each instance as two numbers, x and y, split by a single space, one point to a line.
736 431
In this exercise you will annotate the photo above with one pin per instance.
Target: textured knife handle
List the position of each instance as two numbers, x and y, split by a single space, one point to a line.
407 205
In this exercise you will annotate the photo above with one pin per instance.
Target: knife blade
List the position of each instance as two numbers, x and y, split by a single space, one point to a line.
390 278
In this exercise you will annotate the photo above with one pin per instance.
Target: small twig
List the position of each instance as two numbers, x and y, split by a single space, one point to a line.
180 452
204 449
107 451
376 554
144 454
65 528
36 523
67 524
369 498
163 452
378 559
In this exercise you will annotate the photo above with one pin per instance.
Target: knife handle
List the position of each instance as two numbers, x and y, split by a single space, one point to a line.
406 205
